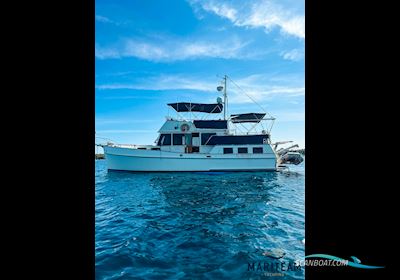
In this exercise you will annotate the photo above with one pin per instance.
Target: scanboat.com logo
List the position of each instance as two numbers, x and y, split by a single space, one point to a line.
329 259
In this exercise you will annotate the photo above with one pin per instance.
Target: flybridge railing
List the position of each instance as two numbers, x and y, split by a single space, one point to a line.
191 117
133 146
251 128
240 128
241 132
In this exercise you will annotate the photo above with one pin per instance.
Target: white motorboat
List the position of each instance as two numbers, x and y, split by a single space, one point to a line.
190 143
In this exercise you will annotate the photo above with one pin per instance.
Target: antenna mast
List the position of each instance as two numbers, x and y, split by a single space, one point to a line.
225 97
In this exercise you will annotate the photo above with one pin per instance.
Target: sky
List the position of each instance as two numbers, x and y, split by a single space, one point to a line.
153 52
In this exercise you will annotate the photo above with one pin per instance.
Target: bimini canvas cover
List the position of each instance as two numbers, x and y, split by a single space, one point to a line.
247 118
197 107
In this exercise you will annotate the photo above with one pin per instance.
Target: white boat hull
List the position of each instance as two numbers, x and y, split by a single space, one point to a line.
127 159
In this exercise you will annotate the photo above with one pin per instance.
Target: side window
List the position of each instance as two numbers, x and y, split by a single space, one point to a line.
242 150
228 150
257 150
205 137
178 139
164 140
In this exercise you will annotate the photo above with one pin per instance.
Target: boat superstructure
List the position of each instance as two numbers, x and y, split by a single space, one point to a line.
190 143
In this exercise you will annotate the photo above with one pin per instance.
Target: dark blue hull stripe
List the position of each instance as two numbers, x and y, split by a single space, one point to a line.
202 171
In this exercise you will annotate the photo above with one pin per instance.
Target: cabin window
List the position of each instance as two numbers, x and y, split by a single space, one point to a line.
205 137
228 150
178 139
195 134
164 140
242 150
257 150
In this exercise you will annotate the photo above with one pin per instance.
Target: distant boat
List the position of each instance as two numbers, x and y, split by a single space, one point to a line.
194 144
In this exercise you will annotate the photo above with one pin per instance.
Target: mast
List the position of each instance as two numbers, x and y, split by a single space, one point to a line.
225 97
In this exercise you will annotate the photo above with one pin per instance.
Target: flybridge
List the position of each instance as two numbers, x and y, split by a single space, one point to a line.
244 123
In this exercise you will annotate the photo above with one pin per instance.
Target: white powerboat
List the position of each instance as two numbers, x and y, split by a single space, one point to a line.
197 144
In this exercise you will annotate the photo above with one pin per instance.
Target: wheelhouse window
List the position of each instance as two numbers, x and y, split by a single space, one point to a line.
242 151
228 150
178 139
164 140
205 137
257 150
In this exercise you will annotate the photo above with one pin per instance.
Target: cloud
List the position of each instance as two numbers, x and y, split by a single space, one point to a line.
107 121
263 93
104 19
104 53
165 50
264 14
164 82
294 55
259 87
222 10
289 116
123 96
117 131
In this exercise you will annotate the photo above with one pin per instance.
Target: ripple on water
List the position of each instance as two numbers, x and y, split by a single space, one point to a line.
196 225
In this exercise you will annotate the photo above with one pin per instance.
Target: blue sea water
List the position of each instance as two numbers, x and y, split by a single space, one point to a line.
197 225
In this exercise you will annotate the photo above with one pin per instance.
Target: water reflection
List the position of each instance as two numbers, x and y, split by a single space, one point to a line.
194 225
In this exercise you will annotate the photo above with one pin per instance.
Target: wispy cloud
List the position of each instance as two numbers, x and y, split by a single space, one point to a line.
289 116
108 121
262 87
117 131
164 82
220 9
124 96
265 14
107 20
165 50
104 19
263 93
259 87
294 55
